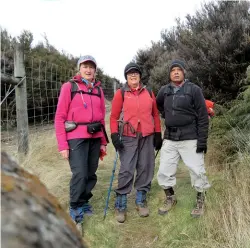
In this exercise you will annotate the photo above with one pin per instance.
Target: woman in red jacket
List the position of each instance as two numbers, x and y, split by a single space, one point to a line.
136 147
83 113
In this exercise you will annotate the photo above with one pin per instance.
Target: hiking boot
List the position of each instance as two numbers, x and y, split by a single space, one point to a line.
169 203
120 207
87 209
143 210
141 204
200 204
120 215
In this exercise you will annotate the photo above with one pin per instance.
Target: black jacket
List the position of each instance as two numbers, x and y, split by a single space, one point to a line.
185 113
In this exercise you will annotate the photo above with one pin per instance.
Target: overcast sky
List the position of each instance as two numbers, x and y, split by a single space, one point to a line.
110 30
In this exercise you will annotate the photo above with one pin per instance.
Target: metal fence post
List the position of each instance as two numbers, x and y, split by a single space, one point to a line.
21 102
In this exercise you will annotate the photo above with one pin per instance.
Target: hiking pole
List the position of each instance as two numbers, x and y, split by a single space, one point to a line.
110 185
157 153
121 129
113 171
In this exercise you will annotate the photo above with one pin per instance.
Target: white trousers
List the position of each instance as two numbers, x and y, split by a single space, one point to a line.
171 152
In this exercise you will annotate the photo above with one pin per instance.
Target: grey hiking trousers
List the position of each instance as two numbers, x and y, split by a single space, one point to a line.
137 155
171 152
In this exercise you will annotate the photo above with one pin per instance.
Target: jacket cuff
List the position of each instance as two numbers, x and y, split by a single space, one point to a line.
63 146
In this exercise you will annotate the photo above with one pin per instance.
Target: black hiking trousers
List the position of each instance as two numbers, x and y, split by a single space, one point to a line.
83 160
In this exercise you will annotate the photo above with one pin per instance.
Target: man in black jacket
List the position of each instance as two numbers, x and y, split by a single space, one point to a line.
182 104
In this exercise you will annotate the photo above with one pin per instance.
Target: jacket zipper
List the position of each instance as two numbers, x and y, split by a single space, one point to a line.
91 107
138 106
173 105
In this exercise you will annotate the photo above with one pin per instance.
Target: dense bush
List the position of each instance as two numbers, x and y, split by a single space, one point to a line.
214 43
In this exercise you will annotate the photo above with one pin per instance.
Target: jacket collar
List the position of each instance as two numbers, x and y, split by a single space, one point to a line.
78 79
127 88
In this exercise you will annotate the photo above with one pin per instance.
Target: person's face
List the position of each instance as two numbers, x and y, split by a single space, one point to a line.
177 75
87 70
133 78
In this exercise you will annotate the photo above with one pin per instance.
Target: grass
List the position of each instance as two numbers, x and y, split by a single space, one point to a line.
226 223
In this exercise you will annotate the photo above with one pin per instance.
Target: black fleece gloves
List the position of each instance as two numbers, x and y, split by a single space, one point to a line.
117 143
157 141
201 149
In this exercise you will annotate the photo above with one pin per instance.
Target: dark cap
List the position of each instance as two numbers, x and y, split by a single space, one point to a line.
132 66
177 63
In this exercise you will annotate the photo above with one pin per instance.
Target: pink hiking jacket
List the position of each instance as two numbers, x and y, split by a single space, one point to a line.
74 110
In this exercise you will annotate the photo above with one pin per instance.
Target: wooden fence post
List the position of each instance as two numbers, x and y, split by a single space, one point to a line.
21 102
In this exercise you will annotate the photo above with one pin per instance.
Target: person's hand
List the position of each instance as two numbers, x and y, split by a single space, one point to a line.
115 137
201 149
65 154
157 141
103 152
103 148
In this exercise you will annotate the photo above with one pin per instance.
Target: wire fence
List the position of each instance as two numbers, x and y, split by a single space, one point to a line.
43 83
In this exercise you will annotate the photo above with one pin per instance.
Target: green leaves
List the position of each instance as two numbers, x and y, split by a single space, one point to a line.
214 43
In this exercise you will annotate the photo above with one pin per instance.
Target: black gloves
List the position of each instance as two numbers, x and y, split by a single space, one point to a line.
202 148
157 141
115 137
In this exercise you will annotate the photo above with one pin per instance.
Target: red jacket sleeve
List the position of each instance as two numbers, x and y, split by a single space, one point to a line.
156 115
116 109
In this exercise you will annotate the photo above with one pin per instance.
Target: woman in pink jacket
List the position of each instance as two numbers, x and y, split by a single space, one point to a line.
80 133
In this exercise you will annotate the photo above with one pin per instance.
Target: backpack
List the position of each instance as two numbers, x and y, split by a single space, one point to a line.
210 108
75 89
147 88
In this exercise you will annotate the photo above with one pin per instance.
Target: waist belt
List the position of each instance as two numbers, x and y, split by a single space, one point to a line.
173 129
75 124
174 133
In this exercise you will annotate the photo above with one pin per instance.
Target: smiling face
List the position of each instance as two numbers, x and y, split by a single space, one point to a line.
87 70
177 75
133 78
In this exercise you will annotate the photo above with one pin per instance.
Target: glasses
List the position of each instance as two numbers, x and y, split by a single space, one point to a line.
133 73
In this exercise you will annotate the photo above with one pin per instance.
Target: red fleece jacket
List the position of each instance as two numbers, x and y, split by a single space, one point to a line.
139 109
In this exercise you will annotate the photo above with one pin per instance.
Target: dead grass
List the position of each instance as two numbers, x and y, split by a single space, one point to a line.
225 225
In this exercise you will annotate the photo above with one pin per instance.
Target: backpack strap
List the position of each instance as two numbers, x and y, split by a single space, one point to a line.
188 91
188 88
91 93
123 92
149 91
75 89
